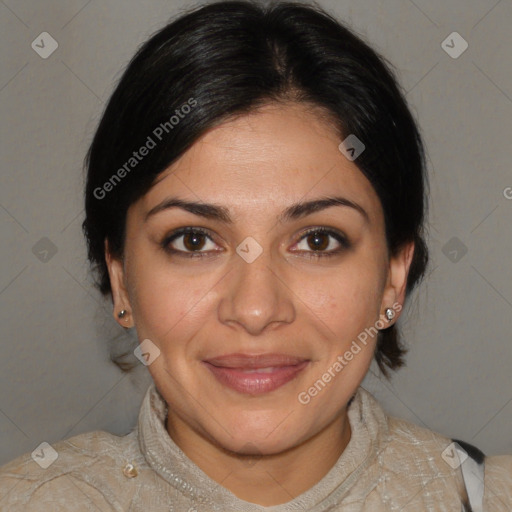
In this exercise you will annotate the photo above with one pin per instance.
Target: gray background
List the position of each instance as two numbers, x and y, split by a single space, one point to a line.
55 376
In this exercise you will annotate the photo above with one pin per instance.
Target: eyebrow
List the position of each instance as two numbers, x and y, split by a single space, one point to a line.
221 214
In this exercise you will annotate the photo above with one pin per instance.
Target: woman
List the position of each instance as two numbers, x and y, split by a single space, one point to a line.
255 208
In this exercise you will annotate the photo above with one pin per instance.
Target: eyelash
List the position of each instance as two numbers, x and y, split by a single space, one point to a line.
341 239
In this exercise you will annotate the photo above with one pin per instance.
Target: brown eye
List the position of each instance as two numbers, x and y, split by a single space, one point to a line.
318 241
189 242
322 242
193 241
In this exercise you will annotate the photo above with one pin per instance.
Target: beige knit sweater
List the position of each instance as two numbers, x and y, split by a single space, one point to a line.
389 465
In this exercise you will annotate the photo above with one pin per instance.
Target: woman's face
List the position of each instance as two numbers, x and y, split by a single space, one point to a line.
255 311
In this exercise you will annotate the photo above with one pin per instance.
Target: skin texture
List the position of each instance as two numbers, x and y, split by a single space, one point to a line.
192 309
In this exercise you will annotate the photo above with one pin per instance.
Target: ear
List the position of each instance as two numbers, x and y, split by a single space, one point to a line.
394 291
118 285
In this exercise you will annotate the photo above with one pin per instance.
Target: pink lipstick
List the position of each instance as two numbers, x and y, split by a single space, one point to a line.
255 374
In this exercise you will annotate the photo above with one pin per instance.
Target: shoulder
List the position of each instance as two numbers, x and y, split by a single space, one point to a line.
419 450
87 468
431 453
418 466
499 465
407 435
401 440
498 482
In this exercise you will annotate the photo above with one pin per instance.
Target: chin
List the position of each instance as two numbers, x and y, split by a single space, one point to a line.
254 436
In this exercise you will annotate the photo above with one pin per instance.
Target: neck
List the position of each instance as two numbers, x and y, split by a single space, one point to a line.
266 480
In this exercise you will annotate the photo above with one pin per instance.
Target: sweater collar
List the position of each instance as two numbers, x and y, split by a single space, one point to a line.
369 431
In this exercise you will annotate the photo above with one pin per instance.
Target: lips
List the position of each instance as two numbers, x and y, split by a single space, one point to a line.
255 374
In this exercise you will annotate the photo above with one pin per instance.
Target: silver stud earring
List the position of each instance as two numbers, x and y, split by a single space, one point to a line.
122 313
390 314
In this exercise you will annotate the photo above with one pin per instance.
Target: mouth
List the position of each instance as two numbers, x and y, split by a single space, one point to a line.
255 374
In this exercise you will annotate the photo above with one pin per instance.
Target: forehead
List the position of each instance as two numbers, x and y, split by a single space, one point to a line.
277 155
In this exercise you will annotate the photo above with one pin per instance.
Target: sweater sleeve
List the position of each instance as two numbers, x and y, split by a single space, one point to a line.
23 488
498 484
86 474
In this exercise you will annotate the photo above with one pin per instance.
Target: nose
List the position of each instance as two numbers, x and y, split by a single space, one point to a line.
255 296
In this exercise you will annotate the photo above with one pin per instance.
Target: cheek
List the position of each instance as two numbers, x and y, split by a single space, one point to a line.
347 300
167 305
